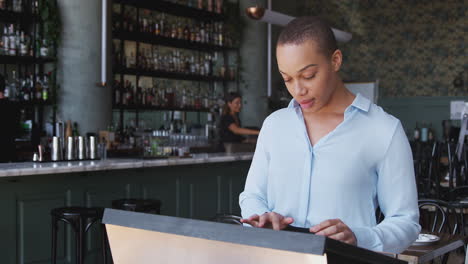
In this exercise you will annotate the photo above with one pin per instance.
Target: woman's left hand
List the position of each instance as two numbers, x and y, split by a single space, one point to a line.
335 229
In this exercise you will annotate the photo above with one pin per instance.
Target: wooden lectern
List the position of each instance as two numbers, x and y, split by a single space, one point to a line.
147 238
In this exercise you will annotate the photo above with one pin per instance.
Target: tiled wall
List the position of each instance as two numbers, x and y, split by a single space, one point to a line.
415 48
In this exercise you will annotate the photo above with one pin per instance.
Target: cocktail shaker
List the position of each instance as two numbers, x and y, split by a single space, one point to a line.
70 149
92 147
56 149
81 148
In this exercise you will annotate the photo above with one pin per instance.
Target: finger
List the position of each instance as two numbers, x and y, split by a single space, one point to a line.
252 223
287 221
331 230
341 236
276 222
325 224
253 217
264 219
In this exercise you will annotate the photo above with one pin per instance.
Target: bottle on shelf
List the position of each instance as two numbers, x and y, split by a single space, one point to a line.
117 93
38 89
4 42
45 87
424 132
44 49
12 40
430 134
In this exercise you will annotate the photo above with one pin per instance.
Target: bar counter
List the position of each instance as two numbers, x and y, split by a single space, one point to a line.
197 188
38 168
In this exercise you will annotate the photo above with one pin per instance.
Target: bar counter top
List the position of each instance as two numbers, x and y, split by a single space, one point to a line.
38 168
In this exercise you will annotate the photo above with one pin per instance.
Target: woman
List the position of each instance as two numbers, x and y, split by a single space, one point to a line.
230 125
328 160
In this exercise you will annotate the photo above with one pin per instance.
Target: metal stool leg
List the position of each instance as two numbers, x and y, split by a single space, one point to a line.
54 240
79 242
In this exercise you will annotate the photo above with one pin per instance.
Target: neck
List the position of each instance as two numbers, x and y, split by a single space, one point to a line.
339 101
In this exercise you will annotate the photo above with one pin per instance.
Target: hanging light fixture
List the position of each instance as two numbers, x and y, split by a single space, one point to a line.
276 18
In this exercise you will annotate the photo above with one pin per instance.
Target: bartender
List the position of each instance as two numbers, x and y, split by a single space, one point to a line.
230 125
10 125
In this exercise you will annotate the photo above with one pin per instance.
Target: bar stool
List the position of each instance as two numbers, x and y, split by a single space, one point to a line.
81 219
138 205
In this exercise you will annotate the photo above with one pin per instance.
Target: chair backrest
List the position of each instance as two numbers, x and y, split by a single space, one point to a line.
434 216
426 158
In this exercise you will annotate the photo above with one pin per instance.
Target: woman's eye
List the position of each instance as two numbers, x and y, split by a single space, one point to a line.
309 77
287 80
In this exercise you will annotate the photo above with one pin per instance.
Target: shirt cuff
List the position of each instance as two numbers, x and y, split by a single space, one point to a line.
366 238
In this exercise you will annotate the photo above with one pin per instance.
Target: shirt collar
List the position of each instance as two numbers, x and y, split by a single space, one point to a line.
360 102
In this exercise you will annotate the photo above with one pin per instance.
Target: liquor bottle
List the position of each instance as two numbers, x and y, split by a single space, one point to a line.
38 88
45 88
44 51
416 133
75 131
24 91
424 132
162 25
202 33
180 30
221 34
430 134
131 60
219 6
116 93
186 32
24 49
138 96
210 5
12 40
125 21
193 34
5 42
173 31
13 87
206 100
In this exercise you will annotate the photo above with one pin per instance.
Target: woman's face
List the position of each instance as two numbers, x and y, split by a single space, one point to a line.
310 76
235 106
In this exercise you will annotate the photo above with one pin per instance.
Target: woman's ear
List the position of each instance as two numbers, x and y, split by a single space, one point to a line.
337 60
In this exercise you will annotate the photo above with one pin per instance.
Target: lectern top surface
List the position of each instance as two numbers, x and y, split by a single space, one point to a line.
284 240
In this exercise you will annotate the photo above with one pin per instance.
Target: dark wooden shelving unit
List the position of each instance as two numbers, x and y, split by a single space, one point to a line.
170 42
156 108
33 103
170 75
174 9
153 39
35 65
6 59
15 17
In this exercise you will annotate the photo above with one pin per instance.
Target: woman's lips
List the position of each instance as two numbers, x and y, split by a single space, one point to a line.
307 103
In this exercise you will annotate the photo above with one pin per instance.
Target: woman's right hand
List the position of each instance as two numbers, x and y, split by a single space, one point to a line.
270 220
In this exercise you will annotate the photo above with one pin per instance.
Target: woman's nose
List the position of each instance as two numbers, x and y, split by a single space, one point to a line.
299 89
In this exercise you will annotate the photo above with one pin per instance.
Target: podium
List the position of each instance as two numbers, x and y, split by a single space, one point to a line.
147 238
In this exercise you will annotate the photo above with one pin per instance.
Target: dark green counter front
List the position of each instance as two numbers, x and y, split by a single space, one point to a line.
194 191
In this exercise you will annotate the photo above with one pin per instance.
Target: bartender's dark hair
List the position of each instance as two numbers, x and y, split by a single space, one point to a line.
306 28
2 83
228 99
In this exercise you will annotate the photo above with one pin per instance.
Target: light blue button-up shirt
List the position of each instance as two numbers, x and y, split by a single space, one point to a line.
365 162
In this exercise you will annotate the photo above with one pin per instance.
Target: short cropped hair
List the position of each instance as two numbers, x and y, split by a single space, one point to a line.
306 28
